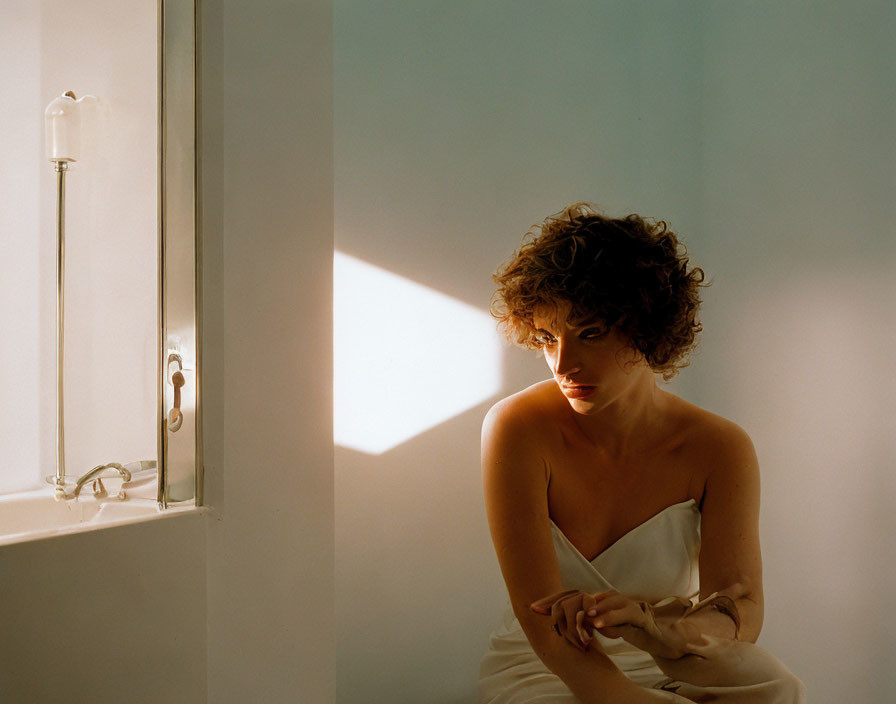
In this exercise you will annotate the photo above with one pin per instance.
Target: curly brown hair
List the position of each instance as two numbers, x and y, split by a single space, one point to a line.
627 272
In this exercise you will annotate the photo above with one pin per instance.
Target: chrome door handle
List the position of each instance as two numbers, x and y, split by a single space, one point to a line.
175 415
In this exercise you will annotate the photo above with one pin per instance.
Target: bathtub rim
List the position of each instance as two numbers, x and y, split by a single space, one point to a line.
173 510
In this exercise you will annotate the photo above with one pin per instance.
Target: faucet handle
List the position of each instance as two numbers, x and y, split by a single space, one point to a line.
99 491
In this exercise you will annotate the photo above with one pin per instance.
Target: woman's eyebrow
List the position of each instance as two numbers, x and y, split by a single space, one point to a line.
590 323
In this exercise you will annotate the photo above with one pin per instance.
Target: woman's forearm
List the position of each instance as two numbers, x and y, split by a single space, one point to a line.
716 623
589 672
591 675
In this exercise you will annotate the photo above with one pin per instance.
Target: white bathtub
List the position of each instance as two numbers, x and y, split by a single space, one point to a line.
31 515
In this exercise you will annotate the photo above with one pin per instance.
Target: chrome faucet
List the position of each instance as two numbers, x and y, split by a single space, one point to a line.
92 476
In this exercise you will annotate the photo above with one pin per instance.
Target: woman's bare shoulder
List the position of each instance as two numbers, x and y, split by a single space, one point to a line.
715 444
524 411
513 449
708 431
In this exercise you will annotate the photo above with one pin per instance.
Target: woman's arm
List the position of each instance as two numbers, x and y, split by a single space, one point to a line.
730 557
730 560
515 482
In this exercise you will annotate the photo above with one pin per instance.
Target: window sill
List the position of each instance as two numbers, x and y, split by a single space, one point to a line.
36 515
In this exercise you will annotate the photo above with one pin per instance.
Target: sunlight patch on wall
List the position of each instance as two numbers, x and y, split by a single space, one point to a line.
406 357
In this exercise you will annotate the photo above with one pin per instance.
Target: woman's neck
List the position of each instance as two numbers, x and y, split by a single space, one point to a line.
621 427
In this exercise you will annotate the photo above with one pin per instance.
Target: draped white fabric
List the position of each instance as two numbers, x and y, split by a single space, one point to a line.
652 561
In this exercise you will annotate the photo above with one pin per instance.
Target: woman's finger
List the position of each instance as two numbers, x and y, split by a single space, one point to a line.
559 617
573 637
599 596
562 624
570 607
609 603
584 637
588 604
625 614
543 606
605 620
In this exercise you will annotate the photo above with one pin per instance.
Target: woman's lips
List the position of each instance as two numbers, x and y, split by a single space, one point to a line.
578 392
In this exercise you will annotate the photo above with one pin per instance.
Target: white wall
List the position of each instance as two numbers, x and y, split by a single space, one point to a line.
94 616
102 617
625 110
267 239
458 126
20 354
764 135
125 609
798 174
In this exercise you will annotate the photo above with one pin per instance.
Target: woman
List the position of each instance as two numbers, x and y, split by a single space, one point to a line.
614 505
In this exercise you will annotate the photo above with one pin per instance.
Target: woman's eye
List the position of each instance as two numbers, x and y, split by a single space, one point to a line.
592 333
543 339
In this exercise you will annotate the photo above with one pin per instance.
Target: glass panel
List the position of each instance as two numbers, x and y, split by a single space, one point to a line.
106 53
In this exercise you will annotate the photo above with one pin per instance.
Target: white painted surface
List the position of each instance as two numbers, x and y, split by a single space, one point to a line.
764 133
266 275
96 617
88 616
267 185
20 282
123 611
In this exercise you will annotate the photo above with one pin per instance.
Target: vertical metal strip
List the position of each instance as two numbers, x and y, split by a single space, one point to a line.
180 455
162 494
197 229
61 167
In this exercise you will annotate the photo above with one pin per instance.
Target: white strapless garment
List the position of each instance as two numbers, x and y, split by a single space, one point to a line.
657 559
654 560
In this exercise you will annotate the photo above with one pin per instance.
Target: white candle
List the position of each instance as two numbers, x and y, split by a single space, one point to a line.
62 120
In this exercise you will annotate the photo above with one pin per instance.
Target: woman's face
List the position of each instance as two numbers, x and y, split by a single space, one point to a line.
592 365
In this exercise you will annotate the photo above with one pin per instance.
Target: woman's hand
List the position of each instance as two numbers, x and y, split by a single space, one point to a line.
658 630
568 610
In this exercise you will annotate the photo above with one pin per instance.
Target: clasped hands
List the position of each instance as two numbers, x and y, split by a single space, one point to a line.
659 629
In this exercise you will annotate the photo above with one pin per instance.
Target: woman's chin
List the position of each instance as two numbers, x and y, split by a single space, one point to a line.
584 407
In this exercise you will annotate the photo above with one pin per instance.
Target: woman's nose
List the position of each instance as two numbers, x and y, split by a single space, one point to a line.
565 361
